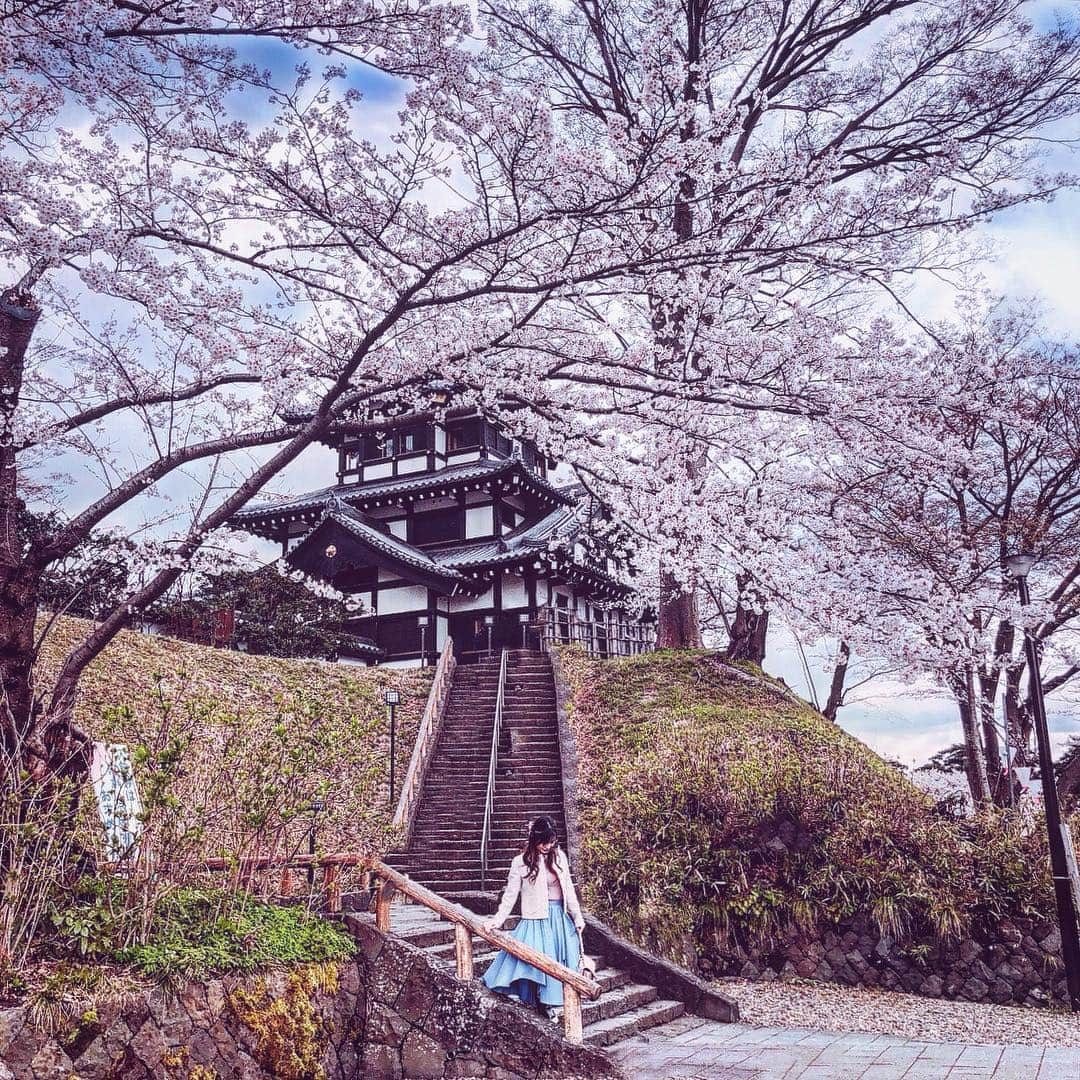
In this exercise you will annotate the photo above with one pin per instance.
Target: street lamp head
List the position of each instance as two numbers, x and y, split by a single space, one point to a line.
1019 565
392 697
421 620
489 620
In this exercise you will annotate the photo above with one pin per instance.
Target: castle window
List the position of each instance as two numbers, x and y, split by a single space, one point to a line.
466 434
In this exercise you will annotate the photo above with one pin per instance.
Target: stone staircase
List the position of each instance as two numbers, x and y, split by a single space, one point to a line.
624 1010
444 853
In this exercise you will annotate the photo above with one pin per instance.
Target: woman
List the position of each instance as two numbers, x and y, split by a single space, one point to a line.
551 921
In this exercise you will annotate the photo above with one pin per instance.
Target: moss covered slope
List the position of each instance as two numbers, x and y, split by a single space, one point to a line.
719 810
233 748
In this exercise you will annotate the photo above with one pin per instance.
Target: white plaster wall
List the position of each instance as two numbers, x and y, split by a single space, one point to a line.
378 472
401 663
403 598
514 593
471 603
479 521
440 439
412 465
460 458
399 528
386 575
441 625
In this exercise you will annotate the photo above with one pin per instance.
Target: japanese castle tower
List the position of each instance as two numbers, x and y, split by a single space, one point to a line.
442 525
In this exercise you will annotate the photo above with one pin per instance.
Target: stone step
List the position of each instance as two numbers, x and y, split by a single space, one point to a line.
614 1028
624 1000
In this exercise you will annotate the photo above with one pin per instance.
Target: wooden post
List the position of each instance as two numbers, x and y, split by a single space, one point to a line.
332 887
463 951
571 1013
382 907
286 886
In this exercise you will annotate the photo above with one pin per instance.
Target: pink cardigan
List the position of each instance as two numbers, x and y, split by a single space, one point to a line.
534 896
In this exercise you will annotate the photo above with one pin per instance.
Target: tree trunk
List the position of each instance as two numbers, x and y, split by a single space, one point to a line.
963 686
749 628
677 626
44 749
18 601
836 687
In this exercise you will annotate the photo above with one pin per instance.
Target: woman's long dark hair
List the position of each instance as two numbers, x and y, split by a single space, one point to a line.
541 831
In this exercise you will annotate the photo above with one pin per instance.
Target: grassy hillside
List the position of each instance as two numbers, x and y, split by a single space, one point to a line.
230 749
719 810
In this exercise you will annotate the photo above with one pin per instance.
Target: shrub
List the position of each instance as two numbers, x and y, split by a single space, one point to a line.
717 808
194 932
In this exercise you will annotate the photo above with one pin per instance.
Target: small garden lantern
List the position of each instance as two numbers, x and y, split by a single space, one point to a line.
423 621
392 699
318 805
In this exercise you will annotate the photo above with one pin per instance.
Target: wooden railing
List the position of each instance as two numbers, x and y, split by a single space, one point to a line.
426 737
331 866
575 985
466 924
561 626
489 802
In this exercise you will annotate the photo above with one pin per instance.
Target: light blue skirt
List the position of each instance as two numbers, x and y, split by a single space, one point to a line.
554 936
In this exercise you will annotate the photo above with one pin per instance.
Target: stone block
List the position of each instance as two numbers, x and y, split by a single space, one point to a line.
969 951
385 1027
422 1057
381 1063
974 990
466 1067
387 975
1051 943
932 986
417 993
369 940
458 1014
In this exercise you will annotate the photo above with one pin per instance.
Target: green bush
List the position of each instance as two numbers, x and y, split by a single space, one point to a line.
721 811
195 932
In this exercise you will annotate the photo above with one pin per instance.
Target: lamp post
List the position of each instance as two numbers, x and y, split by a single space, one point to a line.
1019 566
317 807
523 618
422 622
392 697
489 623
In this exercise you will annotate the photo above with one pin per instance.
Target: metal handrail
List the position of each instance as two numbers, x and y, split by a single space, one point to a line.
489 804
426 736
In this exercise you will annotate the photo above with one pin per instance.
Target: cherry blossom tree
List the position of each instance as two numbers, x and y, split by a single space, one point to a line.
912 529
852 143
209 265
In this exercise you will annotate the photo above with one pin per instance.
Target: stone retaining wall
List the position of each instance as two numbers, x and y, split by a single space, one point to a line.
390 1013
1014 963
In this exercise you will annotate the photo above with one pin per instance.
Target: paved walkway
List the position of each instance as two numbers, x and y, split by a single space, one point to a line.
696 1049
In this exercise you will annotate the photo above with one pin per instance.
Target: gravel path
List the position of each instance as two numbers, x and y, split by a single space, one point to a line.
831 1007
